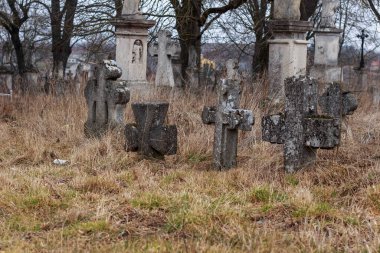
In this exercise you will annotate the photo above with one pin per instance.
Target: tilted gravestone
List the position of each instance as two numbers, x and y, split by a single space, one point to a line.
165 50
301 129
228 119
106 99
149 136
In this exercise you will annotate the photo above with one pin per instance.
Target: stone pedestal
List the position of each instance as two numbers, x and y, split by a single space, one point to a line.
287 53
131 47
326 54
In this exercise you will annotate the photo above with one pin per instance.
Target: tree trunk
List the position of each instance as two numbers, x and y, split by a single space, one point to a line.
189 32
62 23
21 66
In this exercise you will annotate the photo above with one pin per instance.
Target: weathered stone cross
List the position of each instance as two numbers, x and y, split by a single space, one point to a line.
301 129
106 99
149 136
165 51
228 119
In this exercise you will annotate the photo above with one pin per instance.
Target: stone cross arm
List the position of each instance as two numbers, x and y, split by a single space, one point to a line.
319 132
233 118
172 49
336 103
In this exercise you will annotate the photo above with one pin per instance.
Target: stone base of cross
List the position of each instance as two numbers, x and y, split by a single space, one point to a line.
228 119
301 129
149 136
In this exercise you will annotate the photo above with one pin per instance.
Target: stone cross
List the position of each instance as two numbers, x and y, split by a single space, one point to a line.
287 10
165 51
228 119
131 7
149 136
106 99
301 129
329 9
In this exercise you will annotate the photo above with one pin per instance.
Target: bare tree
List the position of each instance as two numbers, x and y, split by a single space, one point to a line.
13 16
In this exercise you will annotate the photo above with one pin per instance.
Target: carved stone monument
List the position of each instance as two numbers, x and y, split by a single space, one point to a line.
131 43
149 136
327 43
228 119
301 129
287 47
166 50
106 99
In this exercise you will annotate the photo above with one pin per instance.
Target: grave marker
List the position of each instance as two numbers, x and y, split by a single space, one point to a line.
106 99
149 136
228 119
301 129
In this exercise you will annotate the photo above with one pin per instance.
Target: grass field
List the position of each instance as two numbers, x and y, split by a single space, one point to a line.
107 200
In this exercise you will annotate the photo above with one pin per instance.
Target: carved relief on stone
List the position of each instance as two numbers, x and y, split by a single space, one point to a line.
137 52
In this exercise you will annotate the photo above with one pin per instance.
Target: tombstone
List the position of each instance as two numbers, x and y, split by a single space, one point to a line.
228 119
106 99
301 129
149 136
165 51
131 43
327 46
287 47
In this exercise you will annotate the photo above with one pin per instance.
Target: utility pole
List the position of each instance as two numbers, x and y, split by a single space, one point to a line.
362 36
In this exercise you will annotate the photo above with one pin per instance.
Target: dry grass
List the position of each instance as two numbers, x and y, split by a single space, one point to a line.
107 200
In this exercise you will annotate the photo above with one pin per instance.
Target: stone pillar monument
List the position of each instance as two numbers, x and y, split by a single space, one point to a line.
131 43
327 39
288 47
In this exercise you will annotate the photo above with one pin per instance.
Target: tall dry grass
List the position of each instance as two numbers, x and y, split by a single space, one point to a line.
107 200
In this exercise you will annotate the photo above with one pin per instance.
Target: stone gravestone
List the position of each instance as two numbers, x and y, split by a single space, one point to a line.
301 129
106 99
166 50
228 119
149 136
131 43
287 47
327 44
